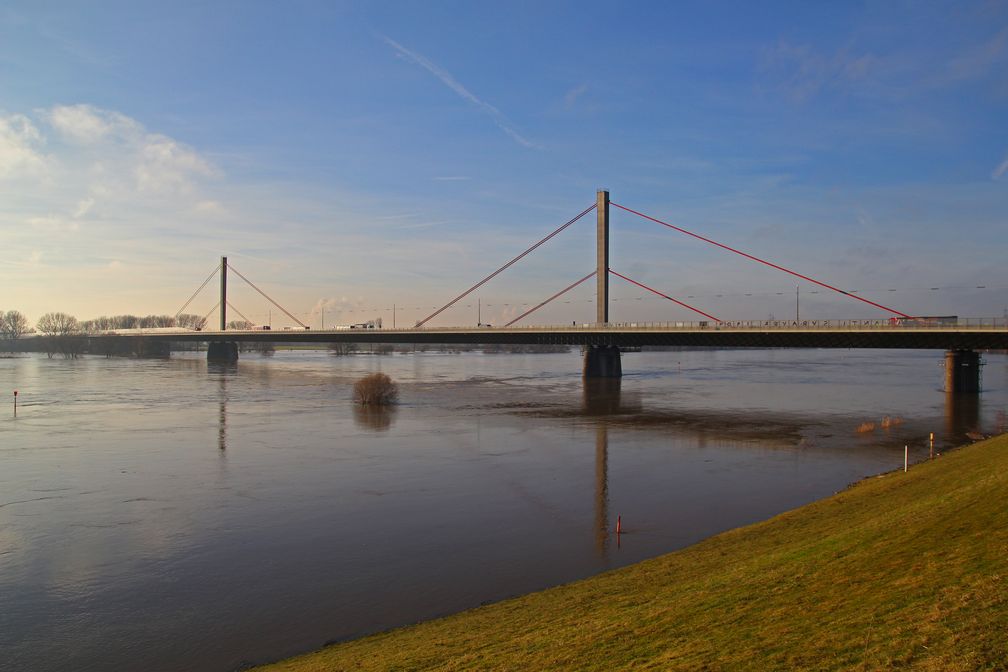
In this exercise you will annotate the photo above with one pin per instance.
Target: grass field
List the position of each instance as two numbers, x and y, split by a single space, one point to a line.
899 571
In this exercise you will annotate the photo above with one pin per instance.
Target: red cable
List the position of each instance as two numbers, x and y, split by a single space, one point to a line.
684 305
558 294
762 261
499 270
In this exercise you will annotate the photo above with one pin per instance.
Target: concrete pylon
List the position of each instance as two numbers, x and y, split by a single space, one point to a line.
602 248
223 293
602 361
225 352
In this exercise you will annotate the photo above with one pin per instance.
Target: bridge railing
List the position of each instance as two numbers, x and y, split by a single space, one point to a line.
915 324
802 325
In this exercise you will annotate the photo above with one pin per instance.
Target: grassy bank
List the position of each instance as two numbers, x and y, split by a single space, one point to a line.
902 570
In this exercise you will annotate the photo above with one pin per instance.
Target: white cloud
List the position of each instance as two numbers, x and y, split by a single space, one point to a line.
19 139
448 80
1000 170
333 309
84 207
85 124
119 154
166 165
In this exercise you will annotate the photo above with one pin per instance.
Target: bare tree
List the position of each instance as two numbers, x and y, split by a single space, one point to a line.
156 321
13 325
188 321
240 325
62 334
264 348
340 348
125 322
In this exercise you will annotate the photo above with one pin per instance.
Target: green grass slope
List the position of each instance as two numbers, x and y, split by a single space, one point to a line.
900 571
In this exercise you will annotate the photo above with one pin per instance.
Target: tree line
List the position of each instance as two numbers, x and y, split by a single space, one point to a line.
62 333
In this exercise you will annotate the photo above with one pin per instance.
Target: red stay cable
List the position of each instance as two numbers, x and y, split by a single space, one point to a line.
500 270
655 291
557 295
762 261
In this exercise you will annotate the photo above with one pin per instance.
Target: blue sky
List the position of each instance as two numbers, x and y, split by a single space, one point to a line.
349 156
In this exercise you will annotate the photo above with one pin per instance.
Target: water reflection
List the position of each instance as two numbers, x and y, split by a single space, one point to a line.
375 418
962 415
602 397
601 489
222 414
219 368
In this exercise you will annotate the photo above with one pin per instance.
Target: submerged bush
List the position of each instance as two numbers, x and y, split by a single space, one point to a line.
376 389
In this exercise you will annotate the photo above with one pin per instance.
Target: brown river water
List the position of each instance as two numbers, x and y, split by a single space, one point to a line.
170 515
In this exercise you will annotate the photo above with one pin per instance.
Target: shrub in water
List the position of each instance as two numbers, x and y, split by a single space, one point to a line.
376 389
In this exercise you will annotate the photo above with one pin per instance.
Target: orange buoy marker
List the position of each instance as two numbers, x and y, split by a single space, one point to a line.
15 403
619 524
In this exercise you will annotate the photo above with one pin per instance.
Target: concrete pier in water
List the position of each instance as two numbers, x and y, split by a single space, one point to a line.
222 351
602 361
962 371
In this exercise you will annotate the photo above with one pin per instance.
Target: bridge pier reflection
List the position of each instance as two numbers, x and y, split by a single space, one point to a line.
962 415
222 415
602 397
601 488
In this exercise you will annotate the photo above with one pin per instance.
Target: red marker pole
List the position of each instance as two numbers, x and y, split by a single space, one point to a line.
15 403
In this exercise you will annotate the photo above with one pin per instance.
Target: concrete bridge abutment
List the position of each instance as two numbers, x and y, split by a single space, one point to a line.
222 351
962 371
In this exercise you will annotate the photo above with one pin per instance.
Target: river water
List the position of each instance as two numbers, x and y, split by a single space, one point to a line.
170 515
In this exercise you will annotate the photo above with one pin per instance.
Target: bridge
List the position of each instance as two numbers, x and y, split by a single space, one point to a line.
602 339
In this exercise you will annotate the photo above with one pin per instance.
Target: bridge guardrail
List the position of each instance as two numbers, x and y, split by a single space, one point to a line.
783 325
917 324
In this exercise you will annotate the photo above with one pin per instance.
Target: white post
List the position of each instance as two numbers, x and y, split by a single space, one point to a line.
906 457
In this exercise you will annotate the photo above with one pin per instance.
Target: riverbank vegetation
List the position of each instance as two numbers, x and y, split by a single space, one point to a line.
375 389
906 570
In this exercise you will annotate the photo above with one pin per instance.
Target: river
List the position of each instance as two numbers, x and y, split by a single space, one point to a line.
175 515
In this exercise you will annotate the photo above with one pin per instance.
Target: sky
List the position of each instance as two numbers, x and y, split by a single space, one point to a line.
351 157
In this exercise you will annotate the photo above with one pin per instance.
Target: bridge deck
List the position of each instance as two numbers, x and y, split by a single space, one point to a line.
987 334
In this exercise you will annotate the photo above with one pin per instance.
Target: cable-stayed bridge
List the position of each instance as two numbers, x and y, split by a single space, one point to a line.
602 339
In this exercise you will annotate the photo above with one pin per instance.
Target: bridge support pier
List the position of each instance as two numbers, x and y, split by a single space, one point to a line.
222 351
602 361
962 371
